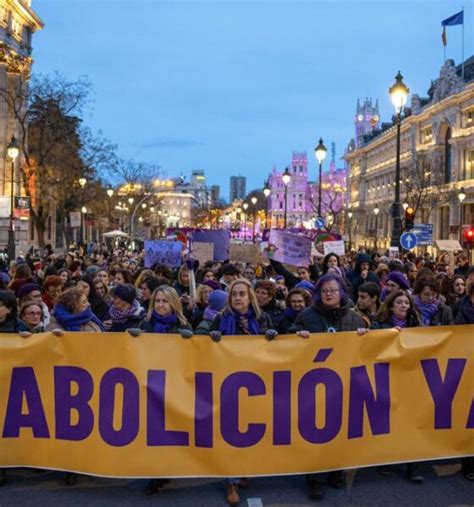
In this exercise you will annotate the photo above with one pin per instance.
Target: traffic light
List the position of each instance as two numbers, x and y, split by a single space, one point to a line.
409 218
468 236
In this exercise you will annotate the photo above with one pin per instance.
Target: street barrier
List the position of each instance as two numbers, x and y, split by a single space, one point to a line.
162 406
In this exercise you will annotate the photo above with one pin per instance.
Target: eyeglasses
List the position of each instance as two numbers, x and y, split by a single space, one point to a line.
329 291
33 313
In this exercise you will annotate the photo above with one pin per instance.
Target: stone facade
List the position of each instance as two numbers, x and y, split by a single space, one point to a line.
436 159
18 22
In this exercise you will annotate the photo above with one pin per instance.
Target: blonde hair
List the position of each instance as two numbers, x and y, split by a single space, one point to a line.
173 299
199 293
251 293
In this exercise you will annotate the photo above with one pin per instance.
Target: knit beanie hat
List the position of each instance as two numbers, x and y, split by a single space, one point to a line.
336 270
306 286
18 283
217 300
28 288
399 279
126 292
212 284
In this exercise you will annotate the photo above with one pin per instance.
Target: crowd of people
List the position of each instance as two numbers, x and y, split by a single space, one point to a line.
113 291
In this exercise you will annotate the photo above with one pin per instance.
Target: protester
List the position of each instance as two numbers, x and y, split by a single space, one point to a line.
228 273
182 283
329 313
454 290
31 293
9 321
216 302
52 289
32 315
432 311
265 293
362 273
98 306
296 301
465 307
102 289
368 302
147 287
462 265
241 316
395 280
125 311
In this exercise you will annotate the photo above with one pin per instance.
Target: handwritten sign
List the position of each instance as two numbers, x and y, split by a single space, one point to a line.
219 238
246 253
202 252
336 247
163 252
289 248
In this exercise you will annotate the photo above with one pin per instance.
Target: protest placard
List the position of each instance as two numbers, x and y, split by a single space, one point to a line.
163 252
289 248
336 247
246 253
220 238
202 252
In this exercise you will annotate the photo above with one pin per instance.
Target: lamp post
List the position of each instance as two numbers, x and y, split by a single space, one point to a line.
245 206
399 94
110 193
83 224
461 197
13 150
253 200
349 216
376 213
266 193
320 154
286 180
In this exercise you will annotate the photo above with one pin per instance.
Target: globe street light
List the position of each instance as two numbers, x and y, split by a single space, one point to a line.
245 206
110 191
253 200
266 193
286 178
376 212
13 150
320 154
83 213
399 94
461 197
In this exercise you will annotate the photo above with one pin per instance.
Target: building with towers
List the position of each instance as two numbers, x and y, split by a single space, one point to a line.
366 119
237 188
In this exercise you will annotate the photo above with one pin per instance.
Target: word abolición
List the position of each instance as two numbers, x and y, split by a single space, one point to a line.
363 397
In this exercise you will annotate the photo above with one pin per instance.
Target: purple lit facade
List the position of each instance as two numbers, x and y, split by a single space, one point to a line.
303 194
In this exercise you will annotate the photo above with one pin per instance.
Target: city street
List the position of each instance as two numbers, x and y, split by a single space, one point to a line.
442 487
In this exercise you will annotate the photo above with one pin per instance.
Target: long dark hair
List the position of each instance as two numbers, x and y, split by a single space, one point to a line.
8 299
384 314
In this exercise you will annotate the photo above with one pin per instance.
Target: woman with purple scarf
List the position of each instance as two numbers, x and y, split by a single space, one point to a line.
125 312
433 312
241 316
398 311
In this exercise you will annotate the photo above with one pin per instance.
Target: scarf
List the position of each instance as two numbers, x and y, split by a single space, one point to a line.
209 313
121 316
396 322
467 309
427 310
247 322
290 314
73 321
162 324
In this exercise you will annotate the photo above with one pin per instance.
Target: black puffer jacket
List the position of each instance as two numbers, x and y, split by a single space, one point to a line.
465 314
356 279
318 319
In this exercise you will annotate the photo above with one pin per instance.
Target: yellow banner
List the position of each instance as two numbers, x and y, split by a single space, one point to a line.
162 406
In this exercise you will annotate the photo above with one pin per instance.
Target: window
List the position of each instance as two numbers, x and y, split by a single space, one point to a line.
447 157
469 165
426 135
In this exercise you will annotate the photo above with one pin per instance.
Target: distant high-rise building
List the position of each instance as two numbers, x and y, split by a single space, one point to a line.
237 188
215 193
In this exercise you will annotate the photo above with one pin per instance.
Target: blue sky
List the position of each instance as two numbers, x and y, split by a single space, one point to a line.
235 86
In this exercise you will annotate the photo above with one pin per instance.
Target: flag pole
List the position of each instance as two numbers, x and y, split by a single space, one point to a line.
462 67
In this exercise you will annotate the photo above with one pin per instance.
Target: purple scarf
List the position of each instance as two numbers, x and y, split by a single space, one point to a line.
74 321
248 323
162 324
209 313
396 322
120 317
427 310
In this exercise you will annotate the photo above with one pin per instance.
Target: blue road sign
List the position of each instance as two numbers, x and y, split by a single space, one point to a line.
408 240
320 223
424 234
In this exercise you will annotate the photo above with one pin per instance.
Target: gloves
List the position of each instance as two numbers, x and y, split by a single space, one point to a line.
134 331
186 333
25 334
215 336
271 334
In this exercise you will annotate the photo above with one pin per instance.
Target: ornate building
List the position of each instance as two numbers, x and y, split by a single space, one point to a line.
303 195
18 22
437 160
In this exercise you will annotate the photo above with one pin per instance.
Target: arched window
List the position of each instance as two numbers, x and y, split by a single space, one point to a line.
447 157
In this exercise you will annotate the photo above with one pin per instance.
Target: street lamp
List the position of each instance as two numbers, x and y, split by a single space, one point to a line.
286 178
82 182
461 197
245 206
320 154
13 150
253 200
376 213
405 206
131 200
110 191
266 193
349 216
399 94
83 213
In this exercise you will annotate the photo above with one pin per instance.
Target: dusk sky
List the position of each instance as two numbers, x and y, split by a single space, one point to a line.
235 86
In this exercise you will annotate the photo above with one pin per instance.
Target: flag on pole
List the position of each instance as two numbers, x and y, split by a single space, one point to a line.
455 19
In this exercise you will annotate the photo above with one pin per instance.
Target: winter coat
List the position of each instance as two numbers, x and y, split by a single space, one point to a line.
317 319
275 313
264 321
13 325
133 321
443 317
147 327
465 314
